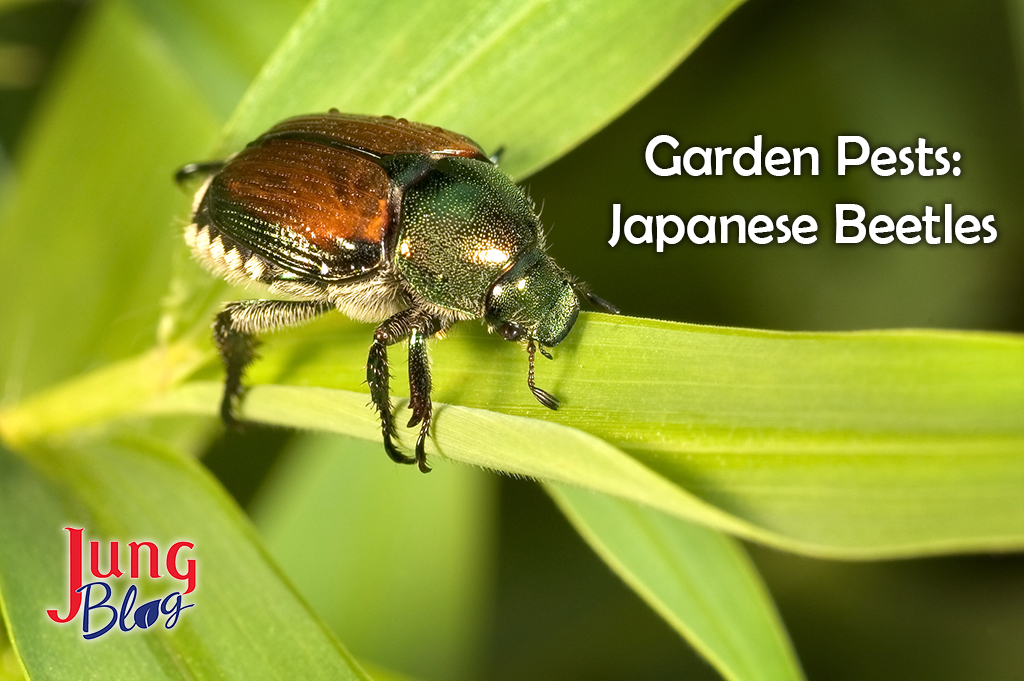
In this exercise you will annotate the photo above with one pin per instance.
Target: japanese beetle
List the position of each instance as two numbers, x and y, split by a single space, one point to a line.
389 221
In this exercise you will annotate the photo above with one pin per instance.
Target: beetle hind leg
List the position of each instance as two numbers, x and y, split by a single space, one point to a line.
237 351
234 333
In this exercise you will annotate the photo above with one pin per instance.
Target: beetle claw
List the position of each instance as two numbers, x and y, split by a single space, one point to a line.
421 454
421 416
394 454
228 417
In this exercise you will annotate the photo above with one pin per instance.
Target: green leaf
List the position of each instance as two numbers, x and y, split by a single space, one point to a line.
534 76
86 236
220 44
10 666
702 582
522 446
858 445
338 516
247 622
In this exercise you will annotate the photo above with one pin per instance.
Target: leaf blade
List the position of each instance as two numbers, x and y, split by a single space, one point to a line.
564 454
337 517
866 444
247 622
91 211
700 581
536 77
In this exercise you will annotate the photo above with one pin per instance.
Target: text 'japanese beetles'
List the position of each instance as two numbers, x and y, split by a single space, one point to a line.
388 221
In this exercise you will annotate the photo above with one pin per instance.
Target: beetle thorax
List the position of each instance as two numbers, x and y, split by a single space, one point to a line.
462 226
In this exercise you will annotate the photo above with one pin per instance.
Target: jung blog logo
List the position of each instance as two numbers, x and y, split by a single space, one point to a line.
96 594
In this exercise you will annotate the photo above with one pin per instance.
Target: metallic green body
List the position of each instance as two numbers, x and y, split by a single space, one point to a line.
469 241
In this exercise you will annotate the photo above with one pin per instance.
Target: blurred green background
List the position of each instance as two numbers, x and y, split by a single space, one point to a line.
800 73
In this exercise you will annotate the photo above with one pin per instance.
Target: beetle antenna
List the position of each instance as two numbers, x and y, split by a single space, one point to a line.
595 300
544 352
544 397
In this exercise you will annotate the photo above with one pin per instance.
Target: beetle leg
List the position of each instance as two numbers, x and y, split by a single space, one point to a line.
597 301
190 170
419 326
378 376
234 333
543 396
419 386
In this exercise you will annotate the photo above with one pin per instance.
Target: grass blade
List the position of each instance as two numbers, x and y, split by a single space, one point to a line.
247 622
337 517
536 77
86 236
865 445
699 580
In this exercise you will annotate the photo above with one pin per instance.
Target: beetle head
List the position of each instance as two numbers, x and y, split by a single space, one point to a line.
533 300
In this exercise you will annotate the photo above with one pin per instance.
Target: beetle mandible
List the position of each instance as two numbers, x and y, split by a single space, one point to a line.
389 221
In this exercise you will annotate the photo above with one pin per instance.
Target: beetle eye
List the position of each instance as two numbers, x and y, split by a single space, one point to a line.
511 331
